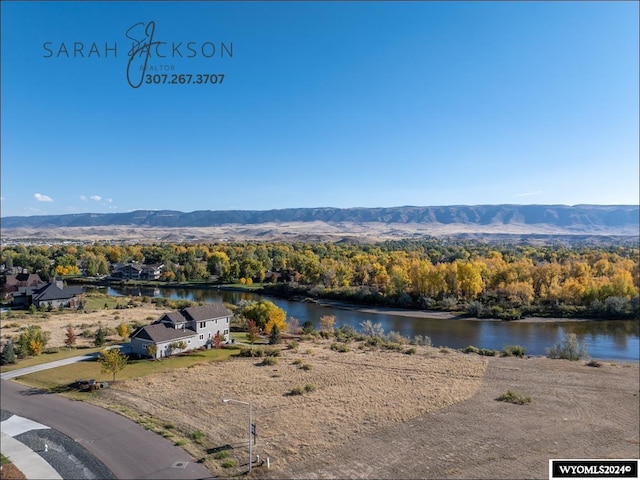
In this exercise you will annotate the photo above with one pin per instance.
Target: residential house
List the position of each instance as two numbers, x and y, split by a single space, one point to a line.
138 271
54 294
11 283
195 326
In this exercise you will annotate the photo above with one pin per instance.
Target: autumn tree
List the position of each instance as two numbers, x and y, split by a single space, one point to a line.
266 314
124 330
152 350
253 332
32 340
112 361
70 337
327 323
217 340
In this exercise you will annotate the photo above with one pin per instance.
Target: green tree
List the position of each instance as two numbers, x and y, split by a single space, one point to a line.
112 361
274 337
8 354
101 337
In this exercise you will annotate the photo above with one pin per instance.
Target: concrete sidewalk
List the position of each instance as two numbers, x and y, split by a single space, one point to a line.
24 458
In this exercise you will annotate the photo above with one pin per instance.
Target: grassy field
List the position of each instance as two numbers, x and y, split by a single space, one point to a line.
49 357
58 379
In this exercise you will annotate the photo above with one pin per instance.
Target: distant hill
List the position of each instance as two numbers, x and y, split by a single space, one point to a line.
605 219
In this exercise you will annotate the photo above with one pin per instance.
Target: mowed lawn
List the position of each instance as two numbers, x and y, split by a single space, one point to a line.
58 379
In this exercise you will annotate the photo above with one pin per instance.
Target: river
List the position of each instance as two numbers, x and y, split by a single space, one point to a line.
610 339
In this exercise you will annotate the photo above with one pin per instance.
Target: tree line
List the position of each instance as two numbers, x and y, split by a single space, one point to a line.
483 279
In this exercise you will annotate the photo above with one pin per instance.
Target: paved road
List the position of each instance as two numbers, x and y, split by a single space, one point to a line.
126 448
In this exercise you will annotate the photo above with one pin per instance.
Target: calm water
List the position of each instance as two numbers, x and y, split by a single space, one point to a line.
604 339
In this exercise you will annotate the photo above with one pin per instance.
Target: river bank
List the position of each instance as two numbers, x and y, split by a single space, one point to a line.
441 315
364 307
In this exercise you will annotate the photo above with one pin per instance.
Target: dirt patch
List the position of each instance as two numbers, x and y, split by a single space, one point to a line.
354 394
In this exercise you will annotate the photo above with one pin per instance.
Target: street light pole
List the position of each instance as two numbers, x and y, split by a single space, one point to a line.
227 400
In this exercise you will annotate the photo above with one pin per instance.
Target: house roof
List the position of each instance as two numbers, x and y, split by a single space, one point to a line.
174 317
159 333
52 292
206 312
198 314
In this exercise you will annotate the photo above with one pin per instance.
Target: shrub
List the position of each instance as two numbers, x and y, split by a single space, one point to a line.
296 391
309 387
570 349
340 347
306 367
198 436
221 455
374 341
371 330
395 337
512 397
181 443
513 351
269 361
298 361
272 352
410 351
593 363
471 349
422 340
292 345
230 463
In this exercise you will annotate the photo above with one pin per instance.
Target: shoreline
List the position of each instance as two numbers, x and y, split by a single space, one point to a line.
437 314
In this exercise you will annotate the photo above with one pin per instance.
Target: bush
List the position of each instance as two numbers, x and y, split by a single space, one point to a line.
306 367
340 347
513 351
309 387
181 443
269 361
292 345
570 349
593 363
296 391
410 351
229 463
395 337
512 397
471 349
422 340
198 436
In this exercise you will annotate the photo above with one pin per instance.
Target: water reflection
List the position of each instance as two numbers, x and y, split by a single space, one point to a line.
604 339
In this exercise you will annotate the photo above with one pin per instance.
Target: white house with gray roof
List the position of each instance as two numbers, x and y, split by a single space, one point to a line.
192 327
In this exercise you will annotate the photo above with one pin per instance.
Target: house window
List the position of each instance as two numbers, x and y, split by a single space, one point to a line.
209 334
188 341
226 332
201 337
227 320
203 324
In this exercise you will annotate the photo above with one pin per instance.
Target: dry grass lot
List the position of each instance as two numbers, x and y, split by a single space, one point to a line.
381 414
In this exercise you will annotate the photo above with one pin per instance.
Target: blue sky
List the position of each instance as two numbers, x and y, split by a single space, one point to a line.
323 104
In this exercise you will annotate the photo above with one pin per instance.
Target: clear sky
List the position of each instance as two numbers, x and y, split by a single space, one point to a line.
323 104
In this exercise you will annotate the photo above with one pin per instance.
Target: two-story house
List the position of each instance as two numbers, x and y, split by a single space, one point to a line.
192 327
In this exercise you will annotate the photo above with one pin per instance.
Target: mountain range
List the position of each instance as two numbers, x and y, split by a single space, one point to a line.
607 219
